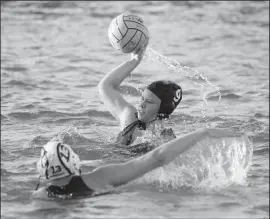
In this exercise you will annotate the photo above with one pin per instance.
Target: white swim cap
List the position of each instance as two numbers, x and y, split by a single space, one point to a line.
58 160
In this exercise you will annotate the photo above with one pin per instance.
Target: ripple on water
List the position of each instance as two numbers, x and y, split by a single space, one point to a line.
229 204
21 84
262 150
16 69
261 115
225 94
264 208
38 141
4 172
3 118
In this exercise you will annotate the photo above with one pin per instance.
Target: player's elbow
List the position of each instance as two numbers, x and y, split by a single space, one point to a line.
105 87
101 86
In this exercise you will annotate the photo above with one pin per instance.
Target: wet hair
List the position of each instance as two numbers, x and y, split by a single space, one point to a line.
170 95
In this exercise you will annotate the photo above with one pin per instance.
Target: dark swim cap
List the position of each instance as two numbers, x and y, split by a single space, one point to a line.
170 95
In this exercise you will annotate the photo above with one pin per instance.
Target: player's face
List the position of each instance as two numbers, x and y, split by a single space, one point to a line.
149 106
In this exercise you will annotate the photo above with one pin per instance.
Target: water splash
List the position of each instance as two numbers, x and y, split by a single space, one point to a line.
189 73
212 164
71 136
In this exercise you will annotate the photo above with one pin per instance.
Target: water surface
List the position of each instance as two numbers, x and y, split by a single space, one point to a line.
54 53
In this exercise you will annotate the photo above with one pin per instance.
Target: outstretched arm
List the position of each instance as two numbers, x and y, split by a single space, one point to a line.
108 85
118 174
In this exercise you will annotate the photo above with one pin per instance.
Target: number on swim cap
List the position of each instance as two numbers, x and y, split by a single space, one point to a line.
178 95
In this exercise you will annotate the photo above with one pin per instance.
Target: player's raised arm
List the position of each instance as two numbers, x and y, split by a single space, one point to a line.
128 34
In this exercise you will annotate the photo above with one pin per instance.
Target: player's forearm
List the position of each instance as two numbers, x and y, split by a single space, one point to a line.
117 75
172 149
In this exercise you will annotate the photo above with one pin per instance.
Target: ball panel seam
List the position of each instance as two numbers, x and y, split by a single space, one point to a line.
130 39
136 44
135 22
118 26
138 30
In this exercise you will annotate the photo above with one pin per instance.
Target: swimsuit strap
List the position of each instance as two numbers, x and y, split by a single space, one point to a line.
130 129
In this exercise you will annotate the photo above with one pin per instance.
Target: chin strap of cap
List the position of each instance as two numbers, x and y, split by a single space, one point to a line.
38 182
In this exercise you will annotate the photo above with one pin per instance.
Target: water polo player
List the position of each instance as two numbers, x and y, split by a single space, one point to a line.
159 100
59 166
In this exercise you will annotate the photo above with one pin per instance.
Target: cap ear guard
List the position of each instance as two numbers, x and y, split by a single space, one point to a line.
168 106
43 164
165 110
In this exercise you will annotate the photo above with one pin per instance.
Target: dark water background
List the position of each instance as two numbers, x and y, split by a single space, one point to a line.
54 53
